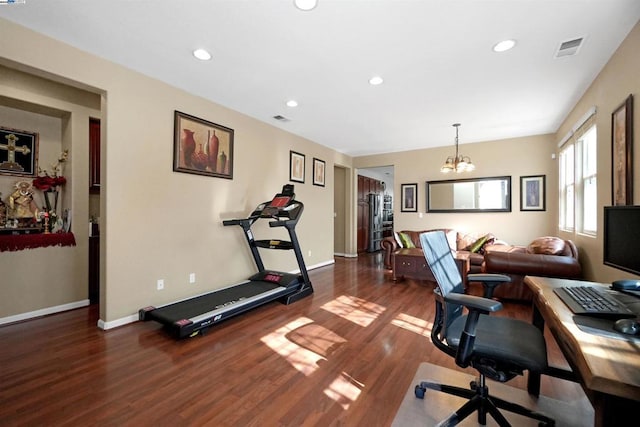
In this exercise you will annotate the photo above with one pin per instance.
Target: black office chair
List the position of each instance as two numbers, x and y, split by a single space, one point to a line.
499 348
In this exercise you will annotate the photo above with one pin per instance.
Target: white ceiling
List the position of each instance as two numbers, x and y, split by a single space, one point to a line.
435 57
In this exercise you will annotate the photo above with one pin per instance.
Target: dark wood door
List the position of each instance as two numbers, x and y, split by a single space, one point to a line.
94 155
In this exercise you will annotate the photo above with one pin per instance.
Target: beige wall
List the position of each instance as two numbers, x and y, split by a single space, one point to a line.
619 78
156 223
160 224
512 157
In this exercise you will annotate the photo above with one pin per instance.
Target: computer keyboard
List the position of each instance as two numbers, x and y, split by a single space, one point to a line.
592 301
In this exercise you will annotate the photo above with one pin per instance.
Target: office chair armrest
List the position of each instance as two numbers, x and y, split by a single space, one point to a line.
476 306
474 303
488 277
489 281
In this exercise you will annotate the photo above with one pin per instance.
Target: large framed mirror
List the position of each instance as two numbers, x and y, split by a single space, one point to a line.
491 194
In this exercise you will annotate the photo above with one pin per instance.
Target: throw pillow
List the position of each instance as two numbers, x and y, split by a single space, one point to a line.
546 246
475 247
406 241
396 236
466 240
490 241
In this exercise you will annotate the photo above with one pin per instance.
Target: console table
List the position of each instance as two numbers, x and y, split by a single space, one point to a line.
411 264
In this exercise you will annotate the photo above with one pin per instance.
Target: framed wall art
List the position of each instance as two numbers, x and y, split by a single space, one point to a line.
622 154
532 193
409 198
202 147
296 167
318 172
18 152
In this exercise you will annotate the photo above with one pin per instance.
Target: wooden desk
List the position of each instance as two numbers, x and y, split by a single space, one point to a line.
607 368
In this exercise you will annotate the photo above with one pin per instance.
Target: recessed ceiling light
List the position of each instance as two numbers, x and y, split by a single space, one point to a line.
305 4
376 80
292 103
202 54
504 45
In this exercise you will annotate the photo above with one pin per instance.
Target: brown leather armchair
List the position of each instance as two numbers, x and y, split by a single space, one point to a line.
546 256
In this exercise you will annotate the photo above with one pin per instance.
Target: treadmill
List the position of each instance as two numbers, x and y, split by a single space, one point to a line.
193 316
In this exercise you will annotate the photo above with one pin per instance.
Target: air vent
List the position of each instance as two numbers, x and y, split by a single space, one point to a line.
569 47
281 118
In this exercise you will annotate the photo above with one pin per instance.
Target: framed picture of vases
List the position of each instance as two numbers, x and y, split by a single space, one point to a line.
202 147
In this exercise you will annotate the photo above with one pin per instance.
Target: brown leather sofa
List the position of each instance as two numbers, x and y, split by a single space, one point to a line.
546 256
458 241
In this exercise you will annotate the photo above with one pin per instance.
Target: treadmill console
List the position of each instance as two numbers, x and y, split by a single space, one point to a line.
283 205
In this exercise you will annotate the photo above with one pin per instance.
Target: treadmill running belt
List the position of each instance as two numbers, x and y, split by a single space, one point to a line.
202 304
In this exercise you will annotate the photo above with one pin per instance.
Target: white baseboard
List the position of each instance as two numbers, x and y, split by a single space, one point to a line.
118 322
346 255
134 317
322 264
44 312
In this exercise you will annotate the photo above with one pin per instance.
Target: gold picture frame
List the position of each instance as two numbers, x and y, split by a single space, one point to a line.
622 154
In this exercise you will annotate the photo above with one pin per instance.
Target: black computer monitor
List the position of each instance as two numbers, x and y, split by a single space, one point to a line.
622 238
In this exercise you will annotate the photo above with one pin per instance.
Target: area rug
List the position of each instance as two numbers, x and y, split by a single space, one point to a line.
436 405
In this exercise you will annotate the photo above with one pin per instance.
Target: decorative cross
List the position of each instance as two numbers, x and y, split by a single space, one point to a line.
11 148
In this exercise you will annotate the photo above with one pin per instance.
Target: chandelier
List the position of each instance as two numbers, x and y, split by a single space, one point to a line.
457 163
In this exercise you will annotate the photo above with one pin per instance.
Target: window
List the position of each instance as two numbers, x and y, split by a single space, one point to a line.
567 188
588 181
578 179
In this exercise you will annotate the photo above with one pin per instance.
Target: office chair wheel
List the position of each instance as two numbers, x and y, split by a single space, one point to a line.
419 391
473 385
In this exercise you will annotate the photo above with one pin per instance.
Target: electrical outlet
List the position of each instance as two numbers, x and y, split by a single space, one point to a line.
309 253
160 284
192 278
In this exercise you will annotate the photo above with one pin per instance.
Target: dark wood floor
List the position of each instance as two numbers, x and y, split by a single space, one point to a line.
342 357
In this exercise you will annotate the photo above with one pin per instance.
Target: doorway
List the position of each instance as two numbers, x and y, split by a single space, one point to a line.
375 207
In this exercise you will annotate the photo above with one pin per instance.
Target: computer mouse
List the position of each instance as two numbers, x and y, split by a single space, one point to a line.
626 285
627 326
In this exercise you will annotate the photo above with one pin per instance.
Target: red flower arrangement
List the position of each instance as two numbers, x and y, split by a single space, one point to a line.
46 183
49 182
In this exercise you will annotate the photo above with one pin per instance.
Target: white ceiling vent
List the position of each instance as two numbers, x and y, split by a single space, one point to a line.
569 47
281 118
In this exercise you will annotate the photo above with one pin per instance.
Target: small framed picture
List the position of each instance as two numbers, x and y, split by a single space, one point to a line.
318 172
296 167
532 193
409 198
